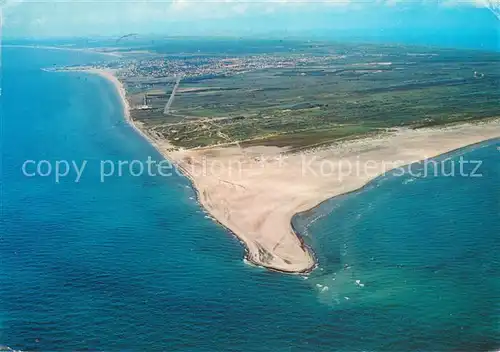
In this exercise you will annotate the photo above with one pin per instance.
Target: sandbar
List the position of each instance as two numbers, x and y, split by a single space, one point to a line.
254 192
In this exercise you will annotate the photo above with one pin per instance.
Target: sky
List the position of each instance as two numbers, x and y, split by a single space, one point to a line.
390 19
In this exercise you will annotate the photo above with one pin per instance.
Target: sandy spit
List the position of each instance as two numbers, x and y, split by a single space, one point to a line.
67 48
255 192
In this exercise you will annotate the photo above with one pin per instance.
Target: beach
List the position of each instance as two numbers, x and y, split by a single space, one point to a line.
68 48
254 192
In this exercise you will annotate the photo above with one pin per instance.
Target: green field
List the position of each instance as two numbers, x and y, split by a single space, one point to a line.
336 91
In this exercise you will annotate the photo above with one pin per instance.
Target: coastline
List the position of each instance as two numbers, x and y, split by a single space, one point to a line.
122 93
48 47
162 145
369 184
258 204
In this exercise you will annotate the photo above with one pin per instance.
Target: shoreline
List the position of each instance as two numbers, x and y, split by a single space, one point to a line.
375 179
49 47
119 87
258 205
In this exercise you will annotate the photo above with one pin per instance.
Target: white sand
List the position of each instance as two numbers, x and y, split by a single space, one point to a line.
69 48
254 192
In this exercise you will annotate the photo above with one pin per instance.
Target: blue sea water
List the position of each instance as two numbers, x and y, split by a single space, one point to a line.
134 264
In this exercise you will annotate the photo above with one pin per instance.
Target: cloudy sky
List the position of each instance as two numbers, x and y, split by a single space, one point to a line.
40 18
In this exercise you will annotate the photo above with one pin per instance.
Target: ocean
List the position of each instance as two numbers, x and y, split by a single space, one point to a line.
134 263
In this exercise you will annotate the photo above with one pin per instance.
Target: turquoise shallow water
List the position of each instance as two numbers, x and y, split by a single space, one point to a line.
419 251
134 264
